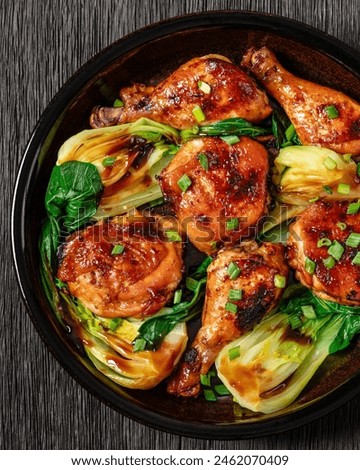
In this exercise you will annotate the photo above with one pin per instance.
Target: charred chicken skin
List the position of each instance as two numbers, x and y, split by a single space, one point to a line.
213 83
122 267
246 273
321 116
320 251
226 194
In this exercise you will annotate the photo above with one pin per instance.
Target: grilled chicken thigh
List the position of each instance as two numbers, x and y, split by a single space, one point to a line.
321 252
213 83
240 291
321 116
122 267
218 191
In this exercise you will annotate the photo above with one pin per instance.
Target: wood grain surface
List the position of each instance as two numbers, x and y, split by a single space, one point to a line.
43 42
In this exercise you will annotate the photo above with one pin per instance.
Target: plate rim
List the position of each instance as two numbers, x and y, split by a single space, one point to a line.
341 52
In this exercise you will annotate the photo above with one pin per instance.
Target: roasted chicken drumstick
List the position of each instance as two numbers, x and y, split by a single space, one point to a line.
322 247
240 291
212 84
321 116
218 191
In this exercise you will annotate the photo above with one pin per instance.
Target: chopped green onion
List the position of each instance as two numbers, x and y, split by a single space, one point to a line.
235 294
356 260
232 224
221 390
342 225
336 250
310 265
173 236
115 323
205 379
343 188
118 250
213 245
108 161
233 270
118 104
330 163
314 199
347 157
230 307
358 169
324 242
139 344
353 240
279 281
230 139
329 262
189 133
327 189
198 114
234 353
204 162
177 296
353 208
184 183
308 311
191 284
295 322
331 112
209 395
204 87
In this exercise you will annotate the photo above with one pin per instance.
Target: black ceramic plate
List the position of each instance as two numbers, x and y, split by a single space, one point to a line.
147 56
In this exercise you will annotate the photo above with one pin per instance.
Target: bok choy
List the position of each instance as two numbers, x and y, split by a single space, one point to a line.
266 369
302 173
128 158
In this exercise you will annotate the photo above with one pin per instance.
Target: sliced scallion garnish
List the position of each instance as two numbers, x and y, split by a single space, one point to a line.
108 161
177 296
329 163
232 224
191 284
233 353
118 250
230 307
329 262
173 236
198 114
353 240
184 183
233 270
295 321
235 294
279 281
310 265
204 162
356 260
327 189
230 139
118 103
308 311
353 208
209 394
323 242
331 111
336 250
342 225
204 87
343 188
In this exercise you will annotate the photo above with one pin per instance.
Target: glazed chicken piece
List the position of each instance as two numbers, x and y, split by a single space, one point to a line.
337 277
122 267
321 116
224 195
240 291
213 83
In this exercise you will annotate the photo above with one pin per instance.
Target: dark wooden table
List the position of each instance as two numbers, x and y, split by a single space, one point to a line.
43 42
